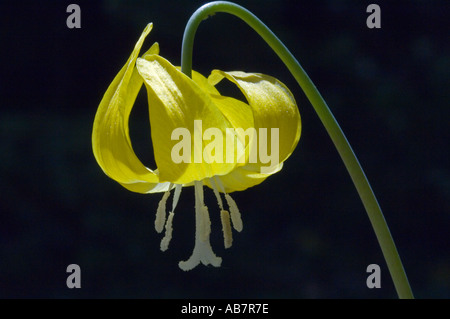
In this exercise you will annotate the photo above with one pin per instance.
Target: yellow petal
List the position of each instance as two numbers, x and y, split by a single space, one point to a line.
203 83
238 113
272 107
240 116
242 178
272 104
110 136
177 104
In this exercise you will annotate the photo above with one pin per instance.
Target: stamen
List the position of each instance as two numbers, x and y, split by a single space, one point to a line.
234 212
168 234
176 196
161 212
216 192
205 224
224 217
226 228
202 250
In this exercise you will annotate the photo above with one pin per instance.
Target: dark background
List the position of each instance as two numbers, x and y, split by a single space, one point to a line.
306 233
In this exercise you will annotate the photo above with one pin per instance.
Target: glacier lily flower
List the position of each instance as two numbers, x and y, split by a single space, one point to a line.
180 106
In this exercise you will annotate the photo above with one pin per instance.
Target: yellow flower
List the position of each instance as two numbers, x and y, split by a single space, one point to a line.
199 138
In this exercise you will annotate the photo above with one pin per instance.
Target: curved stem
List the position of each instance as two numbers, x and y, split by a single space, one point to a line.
340 141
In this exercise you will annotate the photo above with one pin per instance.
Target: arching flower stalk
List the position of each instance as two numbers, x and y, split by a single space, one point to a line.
186 106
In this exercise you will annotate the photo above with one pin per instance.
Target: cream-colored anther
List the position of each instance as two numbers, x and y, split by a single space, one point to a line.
234 213
162 211
226 228
160 219
168 235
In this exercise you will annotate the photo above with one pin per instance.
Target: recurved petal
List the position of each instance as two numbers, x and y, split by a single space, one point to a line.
240 116
273 106
243 177
110 136
181 115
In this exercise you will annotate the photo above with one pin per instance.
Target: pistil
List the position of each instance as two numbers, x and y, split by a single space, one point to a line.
202 252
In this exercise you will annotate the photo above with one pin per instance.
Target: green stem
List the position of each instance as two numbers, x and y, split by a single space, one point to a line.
340 141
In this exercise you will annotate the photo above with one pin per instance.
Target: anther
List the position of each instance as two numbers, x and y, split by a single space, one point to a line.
226 228
234 212
160 219
168 234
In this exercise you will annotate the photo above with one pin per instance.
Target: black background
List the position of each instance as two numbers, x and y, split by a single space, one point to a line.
306 234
